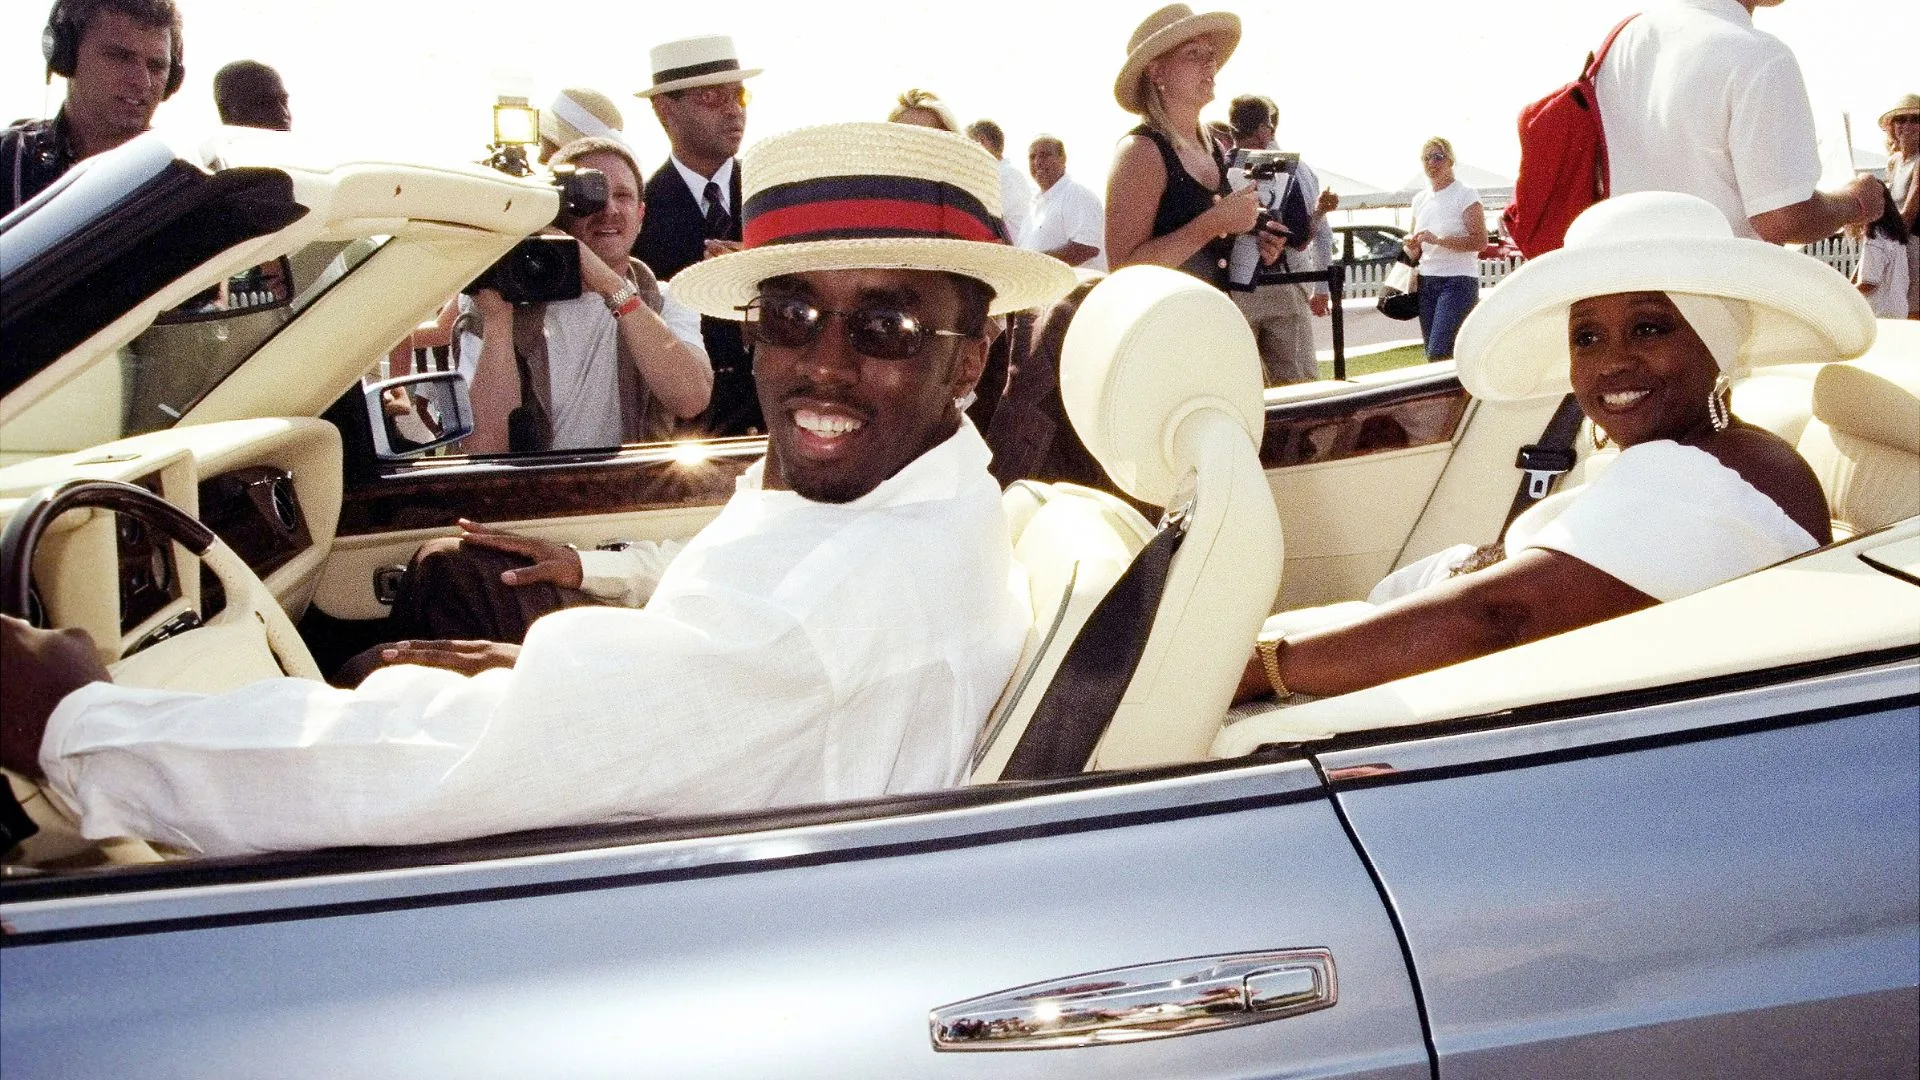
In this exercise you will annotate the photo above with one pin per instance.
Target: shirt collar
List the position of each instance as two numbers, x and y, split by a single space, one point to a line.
698 184
1726 9
940 473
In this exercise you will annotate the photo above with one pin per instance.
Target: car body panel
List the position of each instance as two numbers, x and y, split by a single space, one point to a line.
1720 889
805 952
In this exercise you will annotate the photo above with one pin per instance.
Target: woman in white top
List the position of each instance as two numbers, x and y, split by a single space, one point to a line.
1449 229
1883 275
1644 315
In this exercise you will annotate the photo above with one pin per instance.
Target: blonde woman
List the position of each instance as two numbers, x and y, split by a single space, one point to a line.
1449 228
1168 200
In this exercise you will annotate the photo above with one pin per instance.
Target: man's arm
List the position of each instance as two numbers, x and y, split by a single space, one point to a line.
495 387
680 376
1073 253
39 668
1820 215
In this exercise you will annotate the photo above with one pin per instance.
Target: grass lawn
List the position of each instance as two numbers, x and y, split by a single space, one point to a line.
1405 356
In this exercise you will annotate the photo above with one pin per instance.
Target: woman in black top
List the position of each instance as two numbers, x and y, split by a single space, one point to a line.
1168 201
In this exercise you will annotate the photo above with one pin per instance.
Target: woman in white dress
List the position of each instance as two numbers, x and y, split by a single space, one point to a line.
1644 315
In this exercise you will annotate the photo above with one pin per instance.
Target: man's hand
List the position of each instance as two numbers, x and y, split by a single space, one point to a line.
1319 304
1329 201
596 275
721 247
464 657
554 563
38 669
492 306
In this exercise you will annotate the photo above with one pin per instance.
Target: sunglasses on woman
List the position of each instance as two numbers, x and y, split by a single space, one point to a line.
880 333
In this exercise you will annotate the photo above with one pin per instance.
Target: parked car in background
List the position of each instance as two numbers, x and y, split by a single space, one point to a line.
1681 843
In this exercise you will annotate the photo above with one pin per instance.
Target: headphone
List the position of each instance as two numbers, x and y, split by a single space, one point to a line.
60 43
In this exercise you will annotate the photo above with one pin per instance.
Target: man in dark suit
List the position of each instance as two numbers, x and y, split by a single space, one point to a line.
693 201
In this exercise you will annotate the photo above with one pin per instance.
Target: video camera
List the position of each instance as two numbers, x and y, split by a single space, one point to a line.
1259 167
545 269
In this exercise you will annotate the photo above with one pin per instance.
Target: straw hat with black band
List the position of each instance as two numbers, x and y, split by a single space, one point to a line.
694 62
1752 303
1908 105
871 196
1162 32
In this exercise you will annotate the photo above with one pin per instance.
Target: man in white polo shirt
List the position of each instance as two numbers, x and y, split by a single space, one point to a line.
1695 99
1066 220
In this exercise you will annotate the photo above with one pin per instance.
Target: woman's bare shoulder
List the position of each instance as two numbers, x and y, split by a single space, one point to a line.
1776 470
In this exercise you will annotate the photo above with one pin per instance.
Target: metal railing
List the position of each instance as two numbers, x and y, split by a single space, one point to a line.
1364 279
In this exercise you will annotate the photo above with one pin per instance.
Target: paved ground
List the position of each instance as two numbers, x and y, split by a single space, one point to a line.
1366 328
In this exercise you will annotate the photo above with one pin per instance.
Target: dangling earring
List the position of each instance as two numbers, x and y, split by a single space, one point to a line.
1717 412
1599 437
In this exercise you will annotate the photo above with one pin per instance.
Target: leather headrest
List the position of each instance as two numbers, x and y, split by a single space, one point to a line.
1876 398
1148 348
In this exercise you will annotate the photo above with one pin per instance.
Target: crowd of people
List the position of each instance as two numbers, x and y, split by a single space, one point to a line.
844 289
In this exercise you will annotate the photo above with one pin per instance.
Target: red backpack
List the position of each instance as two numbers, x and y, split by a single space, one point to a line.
1563 160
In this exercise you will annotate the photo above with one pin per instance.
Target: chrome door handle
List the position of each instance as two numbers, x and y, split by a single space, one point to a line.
1148 1001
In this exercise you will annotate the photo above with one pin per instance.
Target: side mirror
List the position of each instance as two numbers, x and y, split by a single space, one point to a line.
413 414
261 288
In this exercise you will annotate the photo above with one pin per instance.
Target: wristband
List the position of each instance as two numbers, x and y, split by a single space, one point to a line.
624 299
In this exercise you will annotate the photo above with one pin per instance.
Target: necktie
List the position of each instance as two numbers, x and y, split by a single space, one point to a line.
717 217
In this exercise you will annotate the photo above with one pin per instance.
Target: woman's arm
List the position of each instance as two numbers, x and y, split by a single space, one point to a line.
1474 220
1535 594
1134 188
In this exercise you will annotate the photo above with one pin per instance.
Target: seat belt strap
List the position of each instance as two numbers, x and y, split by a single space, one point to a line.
1092 678
1542 463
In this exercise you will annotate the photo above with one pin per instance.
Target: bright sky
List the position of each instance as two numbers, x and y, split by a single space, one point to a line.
1360 85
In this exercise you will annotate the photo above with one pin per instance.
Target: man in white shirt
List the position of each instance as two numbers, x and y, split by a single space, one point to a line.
1016 192
616 364
1280 313
1694 98
839 631
1066 220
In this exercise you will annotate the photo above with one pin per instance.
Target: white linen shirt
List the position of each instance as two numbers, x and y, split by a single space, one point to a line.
1695 99
794 652
1016 193
1068 211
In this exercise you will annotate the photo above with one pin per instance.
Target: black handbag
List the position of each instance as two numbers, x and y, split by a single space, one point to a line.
1400 295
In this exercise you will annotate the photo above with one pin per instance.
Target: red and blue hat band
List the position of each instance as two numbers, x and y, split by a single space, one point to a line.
866 207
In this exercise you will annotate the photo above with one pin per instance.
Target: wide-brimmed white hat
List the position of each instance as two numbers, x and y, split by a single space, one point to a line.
871 196
1159 34
578 113
694 62
1798 309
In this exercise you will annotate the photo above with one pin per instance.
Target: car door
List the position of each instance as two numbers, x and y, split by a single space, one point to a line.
1713 880
809 943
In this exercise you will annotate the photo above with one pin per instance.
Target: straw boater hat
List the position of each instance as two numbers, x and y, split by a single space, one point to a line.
871 196
578 113
1158 35
1909 105
1752 302
693 62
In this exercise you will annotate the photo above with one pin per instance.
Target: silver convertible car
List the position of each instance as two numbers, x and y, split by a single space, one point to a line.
1682 843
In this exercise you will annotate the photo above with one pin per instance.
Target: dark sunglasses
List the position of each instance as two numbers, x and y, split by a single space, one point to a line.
880 333
713 97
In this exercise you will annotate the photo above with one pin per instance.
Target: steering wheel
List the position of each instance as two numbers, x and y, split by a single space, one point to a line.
250 608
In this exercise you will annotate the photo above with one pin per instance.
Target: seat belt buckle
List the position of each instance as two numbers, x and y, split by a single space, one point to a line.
1543 465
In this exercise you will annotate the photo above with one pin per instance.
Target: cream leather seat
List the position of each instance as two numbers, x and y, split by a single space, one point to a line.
1863 439
1162 381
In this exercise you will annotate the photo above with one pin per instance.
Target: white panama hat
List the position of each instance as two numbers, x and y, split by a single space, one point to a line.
871 196
1160 33
579 112
1513 346
694 62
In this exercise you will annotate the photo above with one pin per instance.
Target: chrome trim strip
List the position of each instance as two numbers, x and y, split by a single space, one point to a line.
1850 688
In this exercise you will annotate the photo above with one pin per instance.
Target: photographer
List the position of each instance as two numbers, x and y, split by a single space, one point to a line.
1279 311
617 364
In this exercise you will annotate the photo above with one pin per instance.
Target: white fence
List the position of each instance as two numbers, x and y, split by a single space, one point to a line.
1839 252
